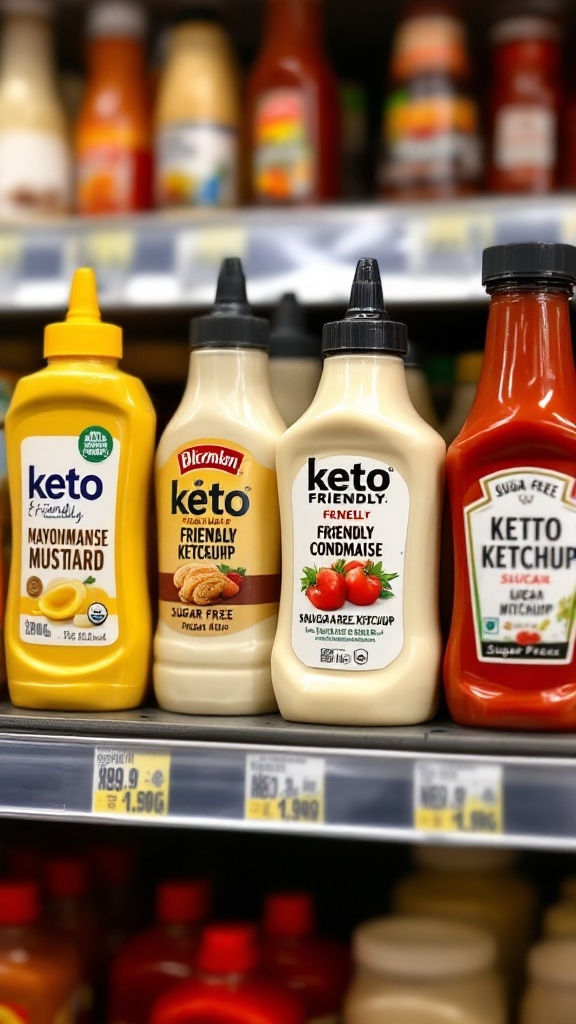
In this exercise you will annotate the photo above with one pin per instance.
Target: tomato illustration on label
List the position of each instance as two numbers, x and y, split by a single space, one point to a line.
359 583
325 588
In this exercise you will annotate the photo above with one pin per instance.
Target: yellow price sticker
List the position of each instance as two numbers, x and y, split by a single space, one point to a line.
130 783
284 787
113 248
214 243
455 234
465 798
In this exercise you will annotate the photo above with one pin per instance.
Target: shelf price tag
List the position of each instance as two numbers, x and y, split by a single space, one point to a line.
130 783
284 787
462 798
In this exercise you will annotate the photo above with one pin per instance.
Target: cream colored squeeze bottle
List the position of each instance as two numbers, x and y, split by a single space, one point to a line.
295 364
218 518
360 479
80 443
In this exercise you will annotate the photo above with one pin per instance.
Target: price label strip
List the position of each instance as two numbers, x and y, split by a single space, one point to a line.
461 798
284 787
130 783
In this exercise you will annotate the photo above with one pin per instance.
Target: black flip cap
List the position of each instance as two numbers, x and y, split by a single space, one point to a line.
231 322
367 326
288 336
529 261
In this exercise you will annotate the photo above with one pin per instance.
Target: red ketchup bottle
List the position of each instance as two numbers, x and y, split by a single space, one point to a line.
153 961
228 989
511 473
293 953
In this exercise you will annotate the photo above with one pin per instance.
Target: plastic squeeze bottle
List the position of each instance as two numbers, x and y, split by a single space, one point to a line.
80 438
360 479
295 364
228 988
39 971
511 475
218 518
156 959
315 968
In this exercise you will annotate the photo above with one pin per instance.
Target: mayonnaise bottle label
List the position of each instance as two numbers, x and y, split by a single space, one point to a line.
219 539
68 572
521 549
350 524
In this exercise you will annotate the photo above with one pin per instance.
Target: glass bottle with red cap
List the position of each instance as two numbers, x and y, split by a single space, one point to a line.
526 97
70 907
294 954
228 987
39 971
156 959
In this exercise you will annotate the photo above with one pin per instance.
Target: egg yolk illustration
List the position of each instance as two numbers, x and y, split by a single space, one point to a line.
62 599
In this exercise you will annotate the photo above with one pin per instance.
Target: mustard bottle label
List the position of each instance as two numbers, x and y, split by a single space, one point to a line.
350 523
68 572
520 539
219 539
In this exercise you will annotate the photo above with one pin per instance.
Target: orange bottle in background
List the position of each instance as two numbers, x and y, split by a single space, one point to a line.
293 110
153 961
39 972
316 968
113 134
71 910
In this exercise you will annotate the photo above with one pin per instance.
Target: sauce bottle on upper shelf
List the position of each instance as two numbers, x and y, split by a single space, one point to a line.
430 127
295 360
197 114
218 518
80 441
361 480
511 477
293 110
525 97
418 387
113 134
35 157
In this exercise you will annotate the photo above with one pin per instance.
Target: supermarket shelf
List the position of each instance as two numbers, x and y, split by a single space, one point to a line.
396 783
429 252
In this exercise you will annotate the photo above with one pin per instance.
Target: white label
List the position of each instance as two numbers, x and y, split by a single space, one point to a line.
350 523
68 574
35 173
196 165
284 787
524 137
521 546
451 797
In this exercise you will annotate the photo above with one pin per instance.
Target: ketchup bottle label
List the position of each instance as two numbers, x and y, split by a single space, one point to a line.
521 547
284 158
351 518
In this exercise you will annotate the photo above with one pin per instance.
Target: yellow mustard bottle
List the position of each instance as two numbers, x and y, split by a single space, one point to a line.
80 441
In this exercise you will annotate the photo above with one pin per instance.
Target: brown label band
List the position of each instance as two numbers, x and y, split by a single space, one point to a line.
254 590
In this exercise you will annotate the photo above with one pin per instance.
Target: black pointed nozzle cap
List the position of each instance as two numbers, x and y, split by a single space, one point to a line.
529 261
366 326
289 338
231 322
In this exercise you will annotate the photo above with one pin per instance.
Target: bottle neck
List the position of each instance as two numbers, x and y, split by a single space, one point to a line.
114 59
357 381
528 357
294 24
61 362
26 50
228 375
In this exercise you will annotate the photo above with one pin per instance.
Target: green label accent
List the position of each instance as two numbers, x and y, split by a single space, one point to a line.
95 444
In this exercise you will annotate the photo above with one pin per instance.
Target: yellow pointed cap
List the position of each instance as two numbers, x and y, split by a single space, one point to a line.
82 333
